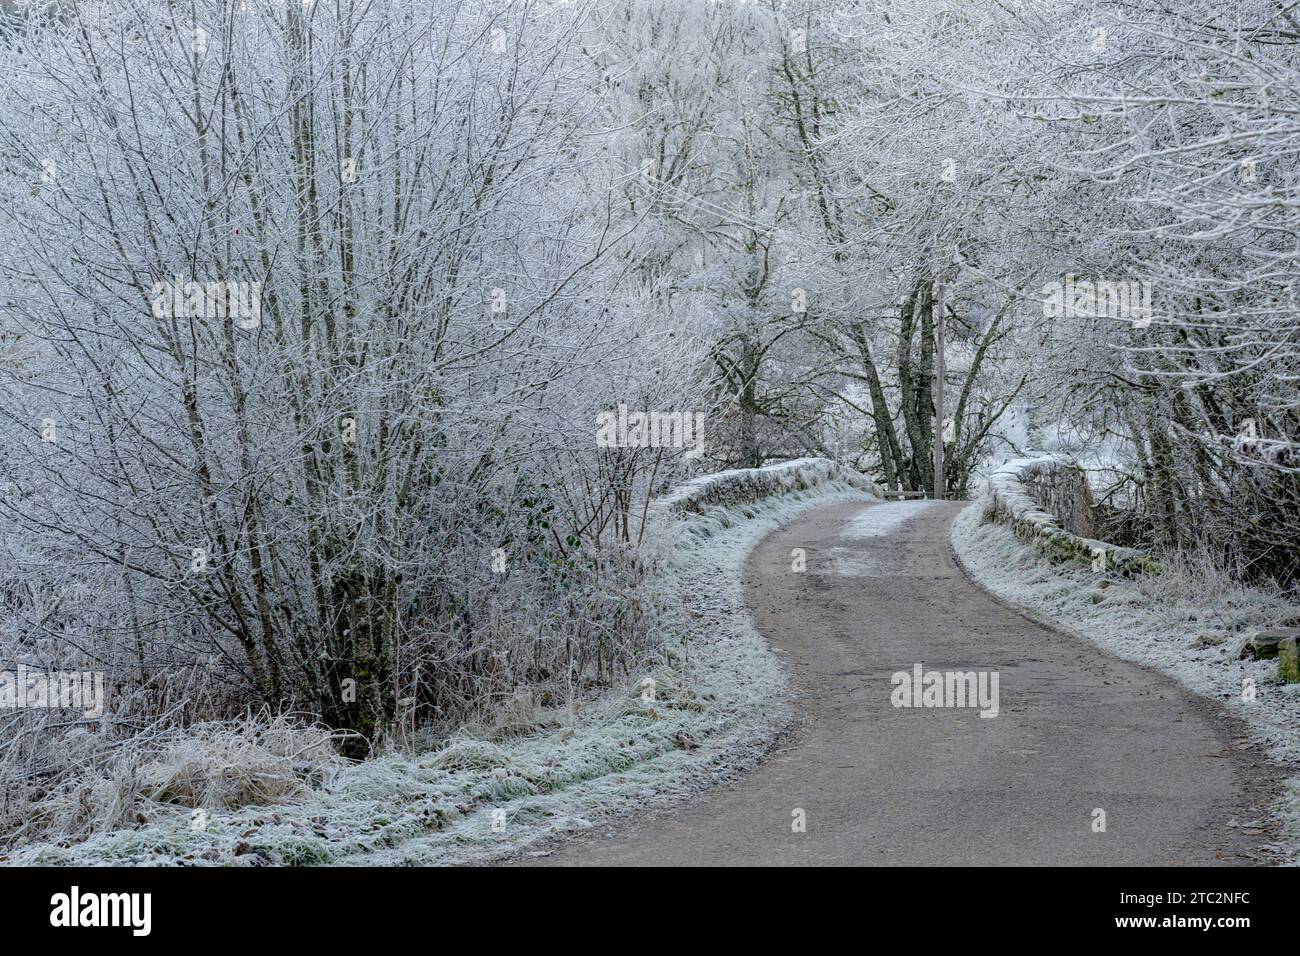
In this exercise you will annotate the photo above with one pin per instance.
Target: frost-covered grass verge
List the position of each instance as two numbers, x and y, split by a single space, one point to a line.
718 702
1183 622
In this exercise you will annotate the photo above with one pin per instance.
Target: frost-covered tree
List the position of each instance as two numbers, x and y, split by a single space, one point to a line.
317 303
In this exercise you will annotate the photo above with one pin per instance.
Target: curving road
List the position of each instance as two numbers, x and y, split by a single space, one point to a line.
1077 730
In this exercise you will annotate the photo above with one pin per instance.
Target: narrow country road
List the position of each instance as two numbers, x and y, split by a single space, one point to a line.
1077 729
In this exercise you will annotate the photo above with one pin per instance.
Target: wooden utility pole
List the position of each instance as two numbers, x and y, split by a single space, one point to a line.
938 388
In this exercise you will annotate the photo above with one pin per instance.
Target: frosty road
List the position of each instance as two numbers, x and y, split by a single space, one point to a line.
1076 730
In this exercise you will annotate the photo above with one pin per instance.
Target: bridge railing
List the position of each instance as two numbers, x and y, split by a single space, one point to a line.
1046 502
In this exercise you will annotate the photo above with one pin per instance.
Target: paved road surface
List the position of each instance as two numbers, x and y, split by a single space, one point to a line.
1077 729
